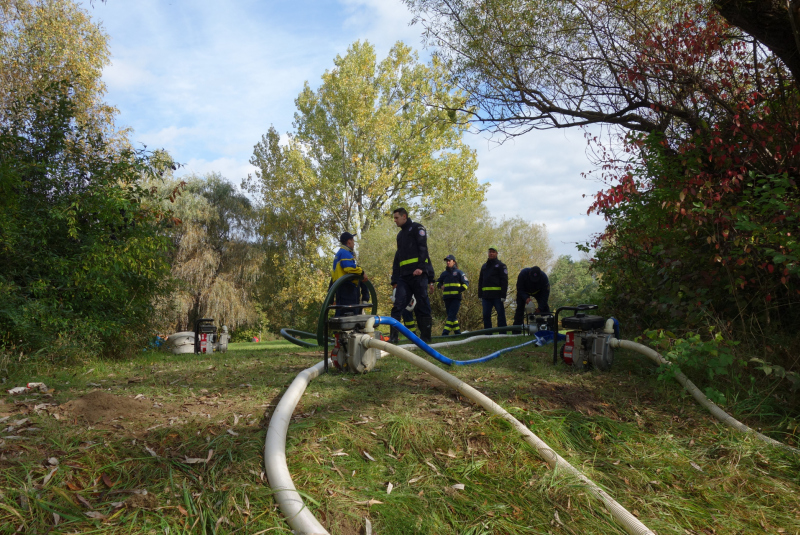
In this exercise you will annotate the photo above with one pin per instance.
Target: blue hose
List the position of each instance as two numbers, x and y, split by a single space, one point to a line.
541 338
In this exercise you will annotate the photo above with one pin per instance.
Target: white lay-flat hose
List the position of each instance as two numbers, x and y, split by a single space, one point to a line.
297 514
630 523
291 503
701 398
459 342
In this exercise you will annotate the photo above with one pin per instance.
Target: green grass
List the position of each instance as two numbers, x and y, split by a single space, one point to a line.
652 448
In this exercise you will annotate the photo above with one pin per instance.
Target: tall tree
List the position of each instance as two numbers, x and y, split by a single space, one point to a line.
371 136
216 260
81 255
52 41
538 64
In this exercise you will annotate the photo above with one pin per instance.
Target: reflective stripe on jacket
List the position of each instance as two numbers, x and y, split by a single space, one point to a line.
493 280
452 282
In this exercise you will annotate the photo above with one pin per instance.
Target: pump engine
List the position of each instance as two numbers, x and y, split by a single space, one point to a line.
587 345
348 353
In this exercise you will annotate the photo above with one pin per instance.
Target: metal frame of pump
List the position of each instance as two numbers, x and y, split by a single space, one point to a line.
348 331
207 339
588 339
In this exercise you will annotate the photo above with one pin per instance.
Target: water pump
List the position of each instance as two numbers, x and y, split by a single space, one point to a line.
348 353
587 345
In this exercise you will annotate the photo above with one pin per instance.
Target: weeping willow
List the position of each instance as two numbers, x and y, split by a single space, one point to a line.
216 260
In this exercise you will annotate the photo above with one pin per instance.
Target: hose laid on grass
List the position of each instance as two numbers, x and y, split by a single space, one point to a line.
412 347
701 398
291 503
630 523
297 514
294 335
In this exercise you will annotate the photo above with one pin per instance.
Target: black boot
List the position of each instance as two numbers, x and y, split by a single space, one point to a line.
425 326
394 336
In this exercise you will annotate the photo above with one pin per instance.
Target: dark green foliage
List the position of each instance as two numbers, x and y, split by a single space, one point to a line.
80 253
572 283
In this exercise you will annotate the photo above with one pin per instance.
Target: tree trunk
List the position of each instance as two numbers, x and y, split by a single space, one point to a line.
770 23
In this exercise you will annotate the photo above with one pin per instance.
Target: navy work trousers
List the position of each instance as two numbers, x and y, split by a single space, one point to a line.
488 305
347 294
452 307
407 286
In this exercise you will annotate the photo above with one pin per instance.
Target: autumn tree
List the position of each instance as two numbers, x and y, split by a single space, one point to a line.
53 41
372 136
535 64
773 23
702 220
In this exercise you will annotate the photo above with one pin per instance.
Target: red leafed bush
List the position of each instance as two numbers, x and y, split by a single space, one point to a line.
702 214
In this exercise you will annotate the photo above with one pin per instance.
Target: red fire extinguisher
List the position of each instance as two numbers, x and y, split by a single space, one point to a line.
569 348
337 347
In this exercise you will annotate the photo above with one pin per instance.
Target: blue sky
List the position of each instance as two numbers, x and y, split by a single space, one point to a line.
205 80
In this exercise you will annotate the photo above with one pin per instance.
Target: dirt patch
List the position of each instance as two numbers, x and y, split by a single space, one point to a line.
5 408
341 522
580 399
142 501
102 407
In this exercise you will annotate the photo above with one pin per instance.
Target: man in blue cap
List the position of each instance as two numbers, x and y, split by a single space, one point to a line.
532 283
344 263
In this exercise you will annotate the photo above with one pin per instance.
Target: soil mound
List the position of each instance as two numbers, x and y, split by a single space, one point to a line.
99 406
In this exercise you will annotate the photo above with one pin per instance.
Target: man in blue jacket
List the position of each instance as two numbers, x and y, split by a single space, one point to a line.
412 271
344 263
532 283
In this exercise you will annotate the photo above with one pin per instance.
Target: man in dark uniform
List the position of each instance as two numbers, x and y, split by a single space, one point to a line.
532 283
452 282
408 312
492 289
412 271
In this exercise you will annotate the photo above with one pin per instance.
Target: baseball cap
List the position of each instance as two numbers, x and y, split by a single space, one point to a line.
449 257
493 248
345 236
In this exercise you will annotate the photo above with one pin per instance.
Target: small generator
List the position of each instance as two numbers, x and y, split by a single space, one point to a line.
206 339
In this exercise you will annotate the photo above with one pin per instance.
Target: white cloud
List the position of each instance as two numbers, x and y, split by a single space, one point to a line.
231 169
383 23
537 177
123 75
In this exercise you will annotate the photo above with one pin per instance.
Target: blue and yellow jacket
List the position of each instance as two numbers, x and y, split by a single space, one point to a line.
344 263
